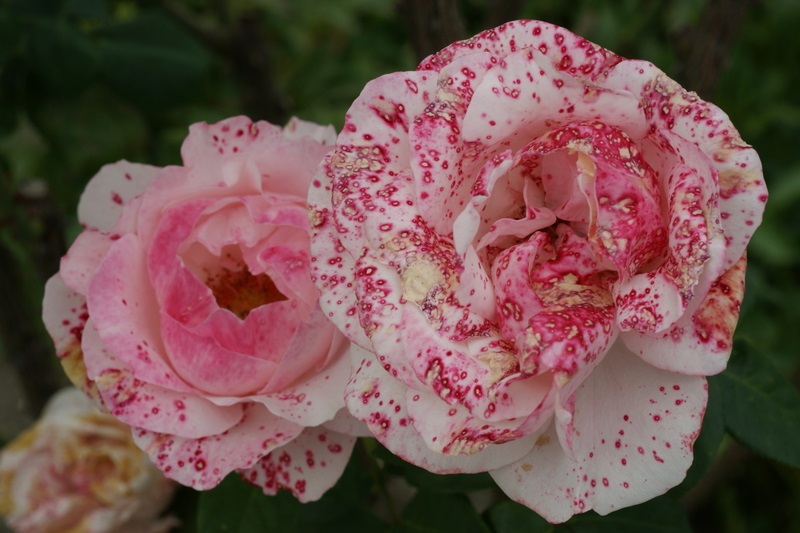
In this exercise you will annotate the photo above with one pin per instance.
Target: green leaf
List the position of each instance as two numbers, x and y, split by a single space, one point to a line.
511 517
661 515
234 506
447 484
82 135
762 409
152 61
345 498
86 8
62 57
12 75
434 513
237 507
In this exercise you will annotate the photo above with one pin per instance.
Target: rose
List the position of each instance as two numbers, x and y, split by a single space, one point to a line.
538 246
186 308
77 469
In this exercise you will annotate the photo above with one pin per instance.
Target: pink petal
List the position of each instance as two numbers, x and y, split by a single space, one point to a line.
297 129
633 446
469 222
140 404
109 190
83 257
222 223
64 314
583 58
388 105
286 165
316 399
203 463
397 98
379 401
164 263
453 430
573 322
699 343
208 367
124 311
346 423
668 106
475 291
524 95
652 302
316 344
335 275
307 466
288 266
444 170
516 301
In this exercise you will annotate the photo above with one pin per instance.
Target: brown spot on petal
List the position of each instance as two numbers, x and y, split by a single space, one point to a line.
419 279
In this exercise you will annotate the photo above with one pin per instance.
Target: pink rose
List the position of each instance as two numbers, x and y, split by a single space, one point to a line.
538 246
77 469
189 301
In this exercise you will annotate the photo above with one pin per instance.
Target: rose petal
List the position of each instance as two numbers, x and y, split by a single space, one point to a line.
315 345
317 399
634 446
475 292
297 129
699 343
140 404
652 302
668 106
109 190
516 301
128 321
523 96
201 362
346 423
65 314
379 401
83 257
203 463
468 223
307 466
585 59
453 430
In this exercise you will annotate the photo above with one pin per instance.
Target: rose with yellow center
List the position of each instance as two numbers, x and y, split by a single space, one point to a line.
77 470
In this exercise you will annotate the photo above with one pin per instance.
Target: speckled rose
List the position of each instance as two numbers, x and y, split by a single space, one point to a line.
77 470
187 309
539 247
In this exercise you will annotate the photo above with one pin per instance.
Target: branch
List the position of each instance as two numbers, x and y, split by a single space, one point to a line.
432 24
245 47
705 49
27 347
501 11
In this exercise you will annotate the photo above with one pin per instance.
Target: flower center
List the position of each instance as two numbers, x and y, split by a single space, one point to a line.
240 292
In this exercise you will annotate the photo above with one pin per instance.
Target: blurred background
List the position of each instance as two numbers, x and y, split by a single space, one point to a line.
88 82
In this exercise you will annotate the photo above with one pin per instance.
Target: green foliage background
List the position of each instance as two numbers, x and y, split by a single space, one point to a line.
87 82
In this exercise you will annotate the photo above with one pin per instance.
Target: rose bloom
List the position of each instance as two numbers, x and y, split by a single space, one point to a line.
538 246
78 470
186 308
